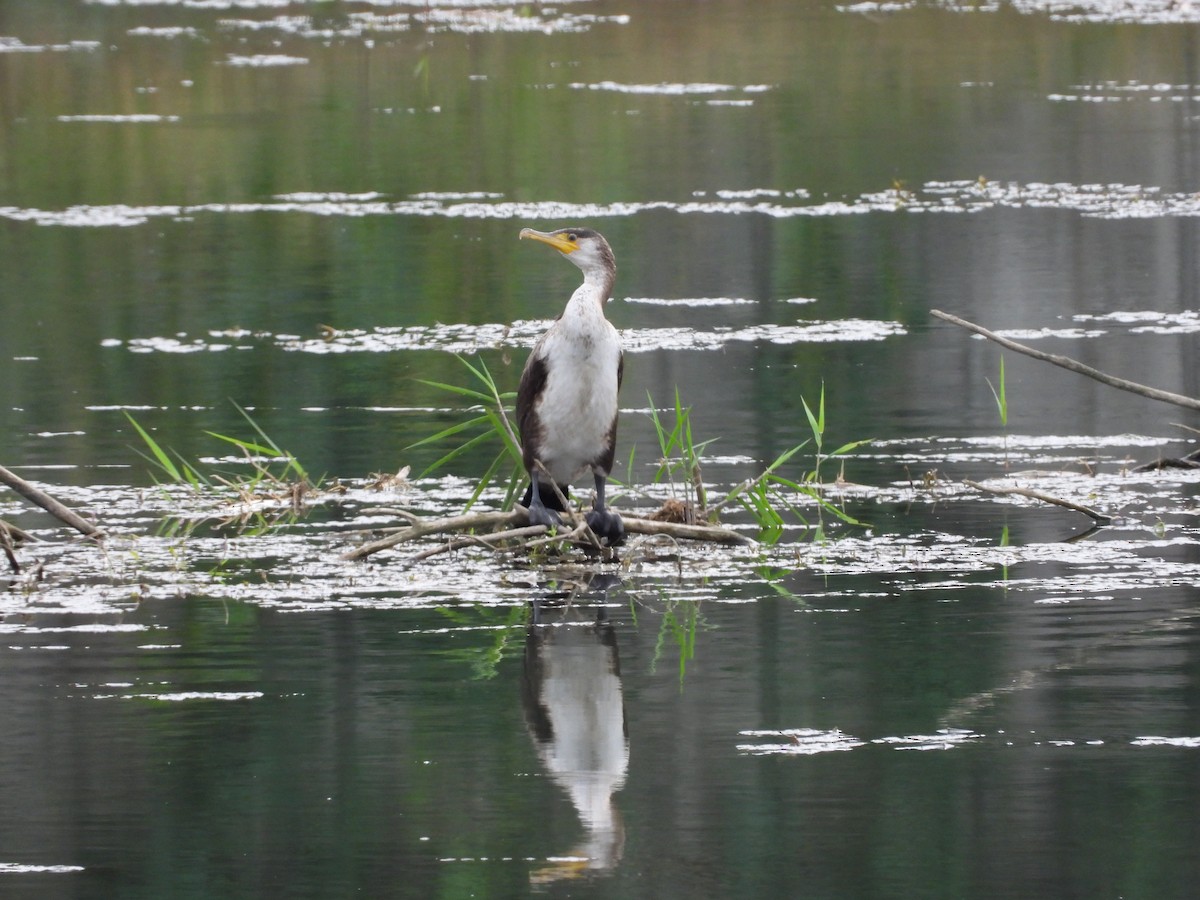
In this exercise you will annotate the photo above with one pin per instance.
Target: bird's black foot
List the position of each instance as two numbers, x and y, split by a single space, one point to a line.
539 515
608 525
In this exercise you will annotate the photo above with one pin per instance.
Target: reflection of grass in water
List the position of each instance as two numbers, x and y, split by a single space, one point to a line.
680 620
504 624
1001 397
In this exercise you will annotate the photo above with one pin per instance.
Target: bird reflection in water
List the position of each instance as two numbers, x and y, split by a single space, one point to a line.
571 693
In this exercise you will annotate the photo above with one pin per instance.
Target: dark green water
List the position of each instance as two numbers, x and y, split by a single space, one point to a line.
953 703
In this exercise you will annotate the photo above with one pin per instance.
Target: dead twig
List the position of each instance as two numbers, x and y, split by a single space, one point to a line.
49 504
476 540
420 529
517 522
713 533
8 545
1073 365
1098 517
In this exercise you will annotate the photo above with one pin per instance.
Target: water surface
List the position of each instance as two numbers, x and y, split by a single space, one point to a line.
310 209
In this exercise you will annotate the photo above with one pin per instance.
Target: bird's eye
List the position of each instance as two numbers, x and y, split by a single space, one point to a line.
572 237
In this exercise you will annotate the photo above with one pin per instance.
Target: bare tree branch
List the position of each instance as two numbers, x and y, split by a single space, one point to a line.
1097 517
1073 365
48 503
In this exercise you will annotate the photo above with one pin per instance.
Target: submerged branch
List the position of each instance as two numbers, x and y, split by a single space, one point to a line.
49 504
1073 365
517 527
1098 517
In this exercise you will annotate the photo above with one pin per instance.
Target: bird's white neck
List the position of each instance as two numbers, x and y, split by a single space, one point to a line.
597 284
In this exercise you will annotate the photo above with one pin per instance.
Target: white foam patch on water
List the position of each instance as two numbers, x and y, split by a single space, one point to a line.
9 868
1135 12
872 7
1190 743
15 45
691 302
327 197
1139 12
799 742
186 696
1130 90
463 338
137 118
1033 334
92 628
264 60
197 4
549 21
1078 443
165 31
944 739
1110 201
1148 321
836 331
437 16
673 89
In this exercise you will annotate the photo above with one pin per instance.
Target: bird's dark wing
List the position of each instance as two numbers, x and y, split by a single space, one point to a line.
533 383
608 451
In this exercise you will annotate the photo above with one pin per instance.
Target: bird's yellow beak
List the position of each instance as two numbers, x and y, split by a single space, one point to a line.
558 241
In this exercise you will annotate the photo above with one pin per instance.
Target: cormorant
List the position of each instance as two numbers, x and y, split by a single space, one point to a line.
567 399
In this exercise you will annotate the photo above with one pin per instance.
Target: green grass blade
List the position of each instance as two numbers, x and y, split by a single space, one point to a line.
449 432
458 389
249 446
485 479
161 457
512 448
853 445
815 424
271 447
457 452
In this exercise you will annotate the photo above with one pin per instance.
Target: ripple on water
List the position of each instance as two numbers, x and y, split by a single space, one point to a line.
1108 201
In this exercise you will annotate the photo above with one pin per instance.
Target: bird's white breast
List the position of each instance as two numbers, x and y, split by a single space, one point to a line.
579 403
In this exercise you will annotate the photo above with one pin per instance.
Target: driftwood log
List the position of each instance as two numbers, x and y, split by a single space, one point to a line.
49 504
490 528
1098 517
